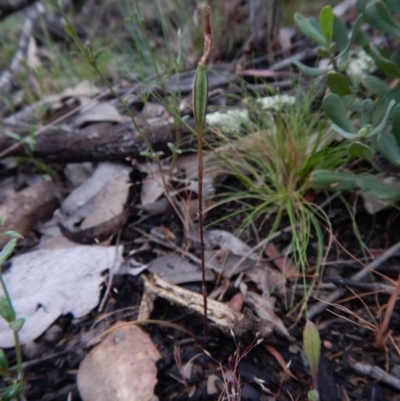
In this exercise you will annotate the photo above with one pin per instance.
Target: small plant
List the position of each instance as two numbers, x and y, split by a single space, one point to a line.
312 349
230 375
273 162
357 95
14 386
200 99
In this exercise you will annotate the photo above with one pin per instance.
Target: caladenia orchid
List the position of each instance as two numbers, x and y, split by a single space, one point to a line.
200 98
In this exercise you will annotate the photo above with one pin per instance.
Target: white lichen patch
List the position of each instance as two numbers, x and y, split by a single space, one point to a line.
229 121
360 64
276 102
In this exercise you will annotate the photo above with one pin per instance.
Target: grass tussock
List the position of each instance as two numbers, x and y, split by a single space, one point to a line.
272 159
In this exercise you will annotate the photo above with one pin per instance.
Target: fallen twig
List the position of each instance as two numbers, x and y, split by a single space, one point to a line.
223 316
361 275
375 372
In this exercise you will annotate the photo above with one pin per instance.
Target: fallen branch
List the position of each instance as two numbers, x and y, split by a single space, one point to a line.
361 275
97 142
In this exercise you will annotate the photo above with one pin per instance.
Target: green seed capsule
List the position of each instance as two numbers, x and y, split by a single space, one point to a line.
200 96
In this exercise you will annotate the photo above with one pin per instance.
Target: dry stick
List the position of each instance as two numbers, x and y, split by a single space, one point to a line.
59 120
200 98
320 307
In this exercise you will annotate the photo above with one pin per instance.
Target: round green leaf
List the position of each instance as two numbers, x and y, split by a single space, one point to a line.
358 150
16 325
338 84
326 23
375 85
334 109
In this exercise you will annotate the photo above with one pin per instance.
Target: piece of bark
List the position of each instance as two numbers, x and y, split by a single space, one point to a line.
98 142
28 207
222 316
96 234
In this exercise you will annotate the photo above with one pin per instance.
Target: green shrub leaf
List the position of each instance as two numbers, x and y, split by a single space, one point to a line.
381 190
396 123
334 109
394 5
381 126
387 146
7 251
326 23
367 108
340 34
358 150
333 180
5 310
384 64
313 72
312 346
17 324
338 84
308 29
375 85
383 104
378 15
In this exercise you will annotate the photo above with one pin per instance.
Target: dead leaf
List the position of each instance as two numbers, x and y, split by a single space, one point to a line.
176 270
109 202
47 283
32 59
97 193
95 112
225 263
83 89
121 368
152 188
284 263
230 242
264 309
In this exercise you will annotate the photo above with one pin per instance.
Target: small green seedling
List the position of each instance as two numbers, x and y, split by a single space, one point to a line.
13 387
312 349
